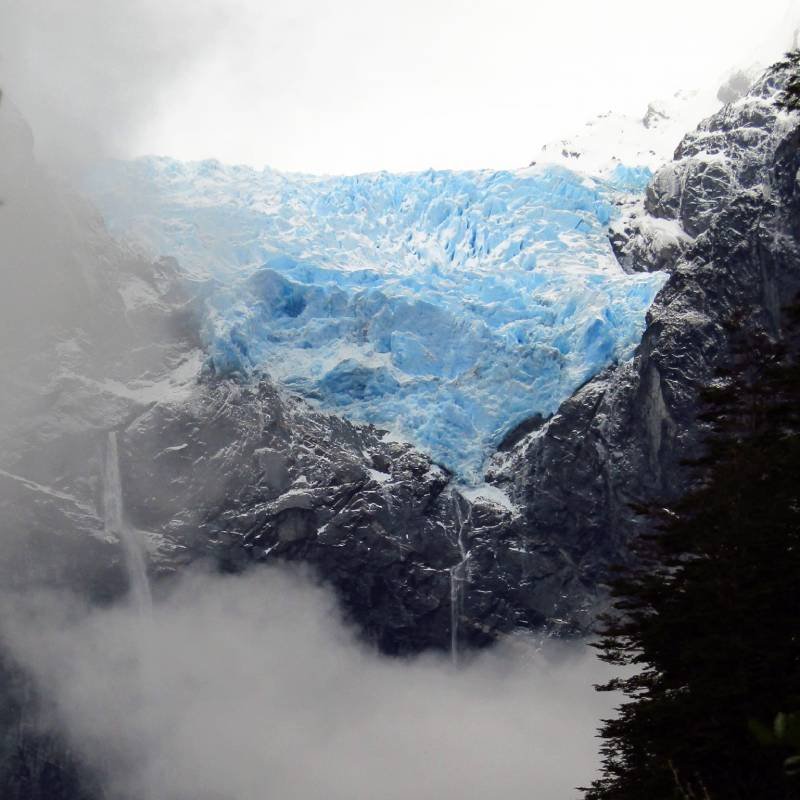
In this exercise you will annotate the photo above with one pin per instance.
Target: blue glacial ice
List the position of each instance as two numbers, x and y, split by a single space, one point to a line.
446 307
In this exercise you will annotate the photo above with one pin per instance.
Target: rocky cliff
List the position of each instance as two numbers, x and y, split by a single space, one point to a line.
97 338
241 473
724 219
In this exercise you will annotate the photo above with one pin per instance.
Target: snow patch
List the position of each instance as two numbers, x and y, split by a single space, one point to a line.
485 493
626 150
378 476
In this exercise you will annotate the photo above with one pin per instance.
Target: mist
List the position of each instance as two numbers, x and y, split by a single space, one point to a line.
233 687
87 74
359 86
253 687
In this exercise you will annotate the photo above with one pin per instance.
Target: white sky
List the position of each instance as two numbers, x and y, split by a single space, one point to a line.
360 85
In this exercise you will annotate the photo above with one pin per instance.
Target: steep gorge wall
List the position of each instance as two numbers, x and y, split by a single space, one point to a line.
730 201
243 474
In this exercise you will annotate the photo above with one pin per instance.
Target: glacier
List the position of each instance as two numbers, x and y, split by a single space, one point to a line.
444 307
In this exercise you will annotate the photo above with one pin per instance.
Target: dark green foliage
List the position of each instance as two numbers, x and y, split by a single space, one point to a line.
790 97
710 618
785 732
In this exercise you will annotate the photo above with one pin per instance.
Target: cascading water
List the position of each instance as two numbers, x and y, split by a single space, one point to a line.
129 538
459 577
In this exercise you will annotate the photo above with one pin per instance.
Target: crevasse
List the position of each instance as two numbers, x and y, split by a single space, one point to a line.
445 307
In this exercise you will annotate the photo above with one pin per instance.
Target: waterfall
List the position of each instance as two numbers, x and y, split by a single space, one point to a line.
129 538
459 577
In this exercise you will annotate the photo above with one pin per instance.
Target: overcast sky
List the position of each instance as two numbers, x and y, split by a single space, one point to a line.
359 85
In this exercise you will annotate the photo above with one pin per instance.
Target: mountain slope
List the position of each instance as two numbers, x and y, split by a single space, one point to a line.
732 196
217 465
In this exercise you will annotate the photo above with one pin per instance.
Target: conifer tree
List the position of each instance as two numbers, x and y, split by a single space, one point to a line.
790 97
709 619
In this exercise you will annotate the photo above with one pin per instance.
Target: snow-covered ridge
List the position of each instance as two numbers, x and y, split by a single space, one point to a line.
620 146
616 142
444 306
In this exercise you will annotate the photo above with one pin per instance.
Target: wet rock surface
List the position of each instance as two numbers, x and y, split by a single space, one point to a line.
237 473
244 474
732 202
241 474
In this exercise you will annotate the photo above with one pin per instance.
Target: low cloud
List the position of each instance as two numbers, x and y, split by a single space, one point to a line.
251 687
87 74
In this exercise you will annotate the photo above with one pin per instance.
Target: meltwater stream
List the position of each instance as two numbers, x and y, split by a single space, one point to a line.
129 537
459 578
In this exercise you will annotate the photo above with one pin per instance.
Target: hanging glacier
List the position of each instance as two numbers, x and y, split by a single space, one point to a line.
445 307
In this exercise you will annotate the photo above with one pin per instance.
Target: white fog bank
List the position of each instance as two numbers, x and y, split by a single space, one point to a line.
252 688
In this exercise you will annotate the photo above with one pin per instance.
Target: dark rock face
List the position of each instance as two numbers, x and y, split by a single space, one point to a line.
35 762
733 191
243 474
97 338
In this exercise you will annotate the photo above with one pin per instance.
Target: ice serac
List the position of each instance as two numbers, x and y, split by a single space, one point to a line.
722 217
446 307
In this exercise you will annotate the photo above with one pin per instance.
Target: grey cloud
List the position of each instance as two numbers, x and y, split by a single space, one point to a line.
251 687
86 73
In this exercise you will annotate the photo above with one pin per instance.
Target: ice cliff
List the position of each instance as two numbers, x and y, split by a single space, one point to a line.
446 307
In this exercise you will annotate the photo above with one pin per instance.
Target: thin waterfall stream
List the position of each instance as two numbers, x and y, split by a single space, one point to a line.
459 577
130 539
